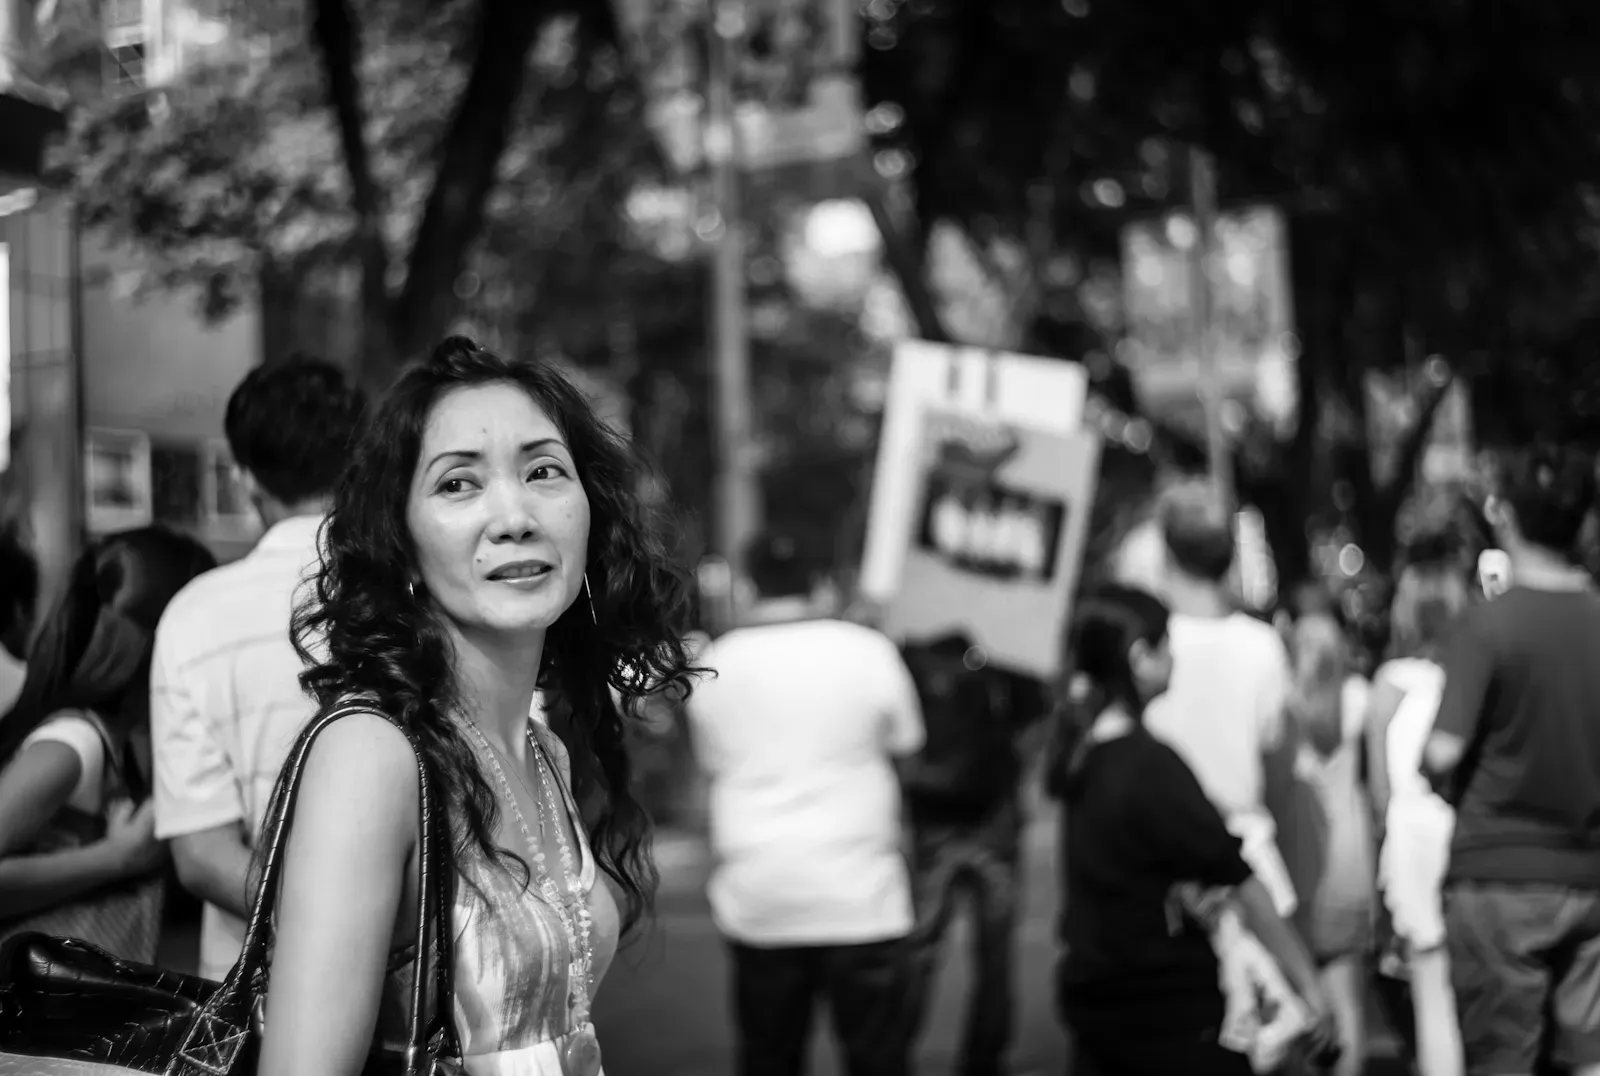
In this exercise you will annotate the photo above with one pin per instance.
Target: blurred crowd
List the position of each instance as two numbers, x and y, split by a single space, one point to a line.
1263 822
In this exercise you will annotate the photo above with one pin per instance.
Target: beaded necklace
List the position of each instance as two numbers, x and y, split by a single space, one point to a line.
572 907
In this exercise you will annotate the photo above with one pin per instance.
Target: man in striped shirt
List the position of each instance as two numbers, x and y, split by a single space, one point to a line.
225 696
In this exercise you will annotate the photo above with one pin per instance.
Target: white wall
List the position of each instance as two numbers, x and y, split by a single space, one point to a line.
150 363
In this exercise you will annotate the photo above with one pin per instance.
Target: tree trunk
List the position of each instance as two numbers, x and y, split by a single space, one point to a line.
904 256
338 41
468 160
1380 512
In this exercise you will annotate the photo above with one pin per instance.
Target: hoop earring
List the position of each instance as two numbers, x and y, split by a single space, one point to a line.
411 589
589 596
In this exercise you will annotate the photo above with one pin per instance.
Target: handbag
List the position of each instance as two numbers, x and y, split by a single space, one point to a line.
68 1008
123 918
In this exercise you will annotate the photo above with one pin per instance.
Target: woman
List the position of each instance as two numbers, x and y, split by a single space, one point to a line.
486 544
77 858
1417 825
1139 981
1330 841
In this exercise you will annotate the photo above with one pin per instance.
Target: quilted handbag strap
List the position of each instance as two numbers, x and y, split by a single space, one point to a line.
221 1029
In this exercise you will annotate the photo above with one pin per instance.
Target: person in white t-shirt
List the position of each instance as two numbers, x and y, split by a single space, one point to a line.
226 702
799 731
1223 711
78 853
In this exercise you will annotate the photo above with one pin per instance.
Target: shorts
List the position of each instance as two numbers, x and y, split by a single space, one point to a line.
1411 869
1525 963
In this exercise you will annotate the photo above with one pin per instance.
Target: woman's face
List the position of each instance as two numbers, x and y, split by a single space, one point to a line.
497 514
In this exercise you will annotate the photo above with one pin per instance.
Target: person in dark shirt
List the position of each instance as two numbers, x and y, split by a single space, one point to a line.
963 801
1516 750
1138 981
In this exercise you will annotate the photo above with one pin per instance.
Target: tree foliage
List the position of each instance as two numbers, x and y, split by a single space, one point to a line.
485 159
1437 161
431 146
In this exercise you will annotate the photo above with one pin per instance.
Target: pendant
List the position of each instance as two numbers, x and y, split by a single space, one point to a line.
581 1055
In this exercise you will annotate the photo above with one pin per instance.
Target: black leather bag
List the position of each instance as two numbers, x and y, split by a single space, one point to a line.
70 1009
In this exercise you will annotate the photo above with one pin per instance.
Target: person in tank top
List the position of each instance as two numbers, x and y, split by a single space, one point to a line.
486 550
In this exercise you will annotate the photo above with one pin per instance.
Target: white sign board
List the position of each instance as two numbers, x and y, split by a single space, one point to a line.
994 549
1251 318
1043 394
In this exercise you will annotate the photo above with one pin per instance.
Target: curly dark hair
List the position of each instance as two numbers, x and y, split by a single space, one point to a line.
363 632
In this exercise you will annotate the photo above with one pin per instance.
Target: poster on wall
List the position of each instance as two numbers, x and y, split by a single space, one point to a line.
226 511
996 537
117 480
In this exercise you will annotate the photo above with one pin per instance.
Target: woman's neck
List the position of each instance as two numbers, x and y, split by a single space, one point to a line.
496 681
1112 723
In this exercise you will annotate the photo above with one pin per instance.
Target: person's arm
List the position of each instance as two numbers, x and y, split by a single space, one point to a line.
349 848
33 788
1276 735
1469 670
35 883
198 806
214 865
1189 836
1282 942
66 752
903 732
1382 704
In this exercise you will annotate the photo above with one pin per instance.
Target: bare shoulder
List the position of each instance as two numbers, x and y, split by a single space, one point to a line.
362 765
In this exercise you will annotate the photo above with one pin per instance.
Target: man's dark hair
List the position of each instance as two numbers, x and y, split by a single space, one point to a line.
1551 489
776 569
290 425
1198 530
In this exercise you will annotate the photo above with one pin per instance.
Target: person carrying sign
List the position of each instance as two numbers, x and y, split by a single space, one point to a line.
963 796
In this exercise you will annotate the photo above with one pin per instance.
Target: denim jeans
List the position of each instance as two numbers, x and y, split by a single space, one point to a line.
981 861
